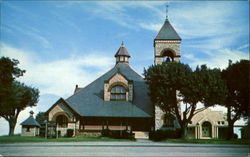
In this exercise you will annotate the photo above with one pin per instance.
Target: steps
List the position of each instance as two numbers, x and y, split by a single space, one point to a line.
141 135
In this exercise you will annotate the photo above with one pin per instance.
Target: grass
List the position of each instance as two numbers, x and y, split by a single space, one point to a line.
19 139
208 141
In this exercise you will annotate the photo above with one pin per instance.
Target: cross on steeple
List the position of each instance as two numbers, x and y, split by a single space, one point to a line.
167 12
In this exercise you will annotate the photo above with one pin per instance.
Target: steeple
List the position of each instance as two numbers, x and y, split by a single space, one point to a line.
167 43
122 55
167 32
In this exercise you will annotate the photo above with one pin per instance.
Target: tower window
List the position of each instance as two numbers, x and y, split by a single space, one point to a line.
168 55
118 93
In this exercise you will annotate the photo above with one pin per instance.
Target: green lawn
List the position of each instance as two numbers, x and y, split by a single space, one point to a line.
18 139
209 141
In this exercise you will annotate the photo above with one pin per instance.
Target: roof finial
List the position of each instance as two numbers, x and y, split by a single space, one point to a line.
122 44
167 12
31 113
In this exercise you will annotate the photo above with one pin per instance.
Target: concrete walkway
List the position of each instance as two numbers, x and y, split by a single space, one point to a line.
140 148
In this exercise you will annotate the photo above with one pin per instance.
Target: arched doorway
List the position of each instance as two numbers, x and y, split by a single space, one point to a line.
206 129
62 121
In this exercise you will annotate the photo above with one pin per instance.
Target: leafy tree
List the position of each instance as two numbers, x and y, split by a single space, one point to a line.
14 96
41 117
237 79
171 84
9 71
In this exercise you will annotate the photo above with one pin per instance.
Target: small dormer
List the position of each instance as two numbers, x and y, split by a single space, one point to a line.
118 88
122 55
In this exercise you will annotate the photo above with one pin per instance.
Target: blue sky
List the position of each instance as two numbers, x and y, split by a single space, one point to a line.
63 43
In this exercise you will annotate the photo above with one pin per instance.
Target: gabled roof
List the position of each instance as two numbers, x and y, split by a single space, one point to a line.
61 100
30 122
167 32
90 100
122 51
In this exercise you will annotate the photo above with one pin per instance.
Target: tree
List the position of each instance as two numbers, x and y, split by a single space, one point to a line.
14 96
237 102
9 71
171 84
41 117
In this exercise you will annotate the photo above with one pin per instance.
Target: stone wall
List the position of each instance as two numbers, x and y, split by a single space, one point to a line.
88 134
160 46
60 108
33 131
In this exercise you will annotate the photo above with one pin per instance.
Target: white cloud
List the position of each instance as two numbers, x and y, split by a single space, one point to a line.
60 76
31 32
54 79
216 59
151 26
243 47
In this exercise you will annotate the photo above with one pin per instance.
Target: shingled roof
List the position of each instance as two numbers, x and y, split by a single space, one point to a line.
90 102
30 122
167 32
122 51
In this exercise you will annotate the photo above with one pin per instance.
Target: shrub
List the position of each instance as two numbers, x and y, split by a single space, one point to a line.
159 135
235 136
117 134
70 132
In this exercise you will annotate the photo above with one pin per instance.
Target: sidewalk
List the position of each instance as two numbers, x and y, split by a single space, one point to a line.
139 143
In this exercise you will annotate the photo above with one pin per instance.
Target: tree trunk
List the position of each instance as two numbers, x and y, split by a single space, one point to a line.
12 125
230 130
184 131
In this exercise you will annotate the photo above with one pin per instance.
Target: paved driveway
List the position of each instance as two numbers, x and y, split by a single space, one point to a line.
122 149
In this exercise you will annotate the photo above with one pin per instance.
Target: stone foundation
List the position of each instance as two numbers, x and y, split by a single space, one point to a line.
88 134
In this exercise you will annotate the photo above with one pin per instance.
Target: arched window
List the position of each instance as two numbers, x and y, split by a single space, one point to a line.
118 93
168 55
62 121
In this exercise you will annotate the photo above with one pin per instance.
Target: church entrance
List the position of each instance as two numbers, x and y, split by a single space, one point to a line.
206 129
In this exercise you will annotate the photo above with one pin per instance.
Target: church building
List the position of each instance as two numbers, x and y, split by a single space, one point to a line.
118 100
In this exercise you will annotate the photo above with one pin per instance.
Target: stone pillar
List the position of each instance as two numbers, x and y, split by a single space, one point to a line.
158 60
196 132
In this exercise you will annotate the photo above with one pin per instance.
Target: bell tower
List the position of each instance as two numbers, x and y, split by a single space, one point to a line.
166 48
167 44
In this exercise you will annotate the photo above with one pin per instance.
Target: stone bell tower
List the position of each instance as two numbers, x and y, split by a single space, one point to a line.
166 48
167 44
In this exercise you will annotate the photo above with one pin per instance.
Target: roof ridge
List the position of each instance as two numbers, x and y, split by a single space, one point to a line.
160 29
135 72
90 83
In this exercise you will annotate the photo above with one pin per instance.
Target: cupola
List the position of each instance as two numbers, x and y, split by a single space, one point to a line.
122 55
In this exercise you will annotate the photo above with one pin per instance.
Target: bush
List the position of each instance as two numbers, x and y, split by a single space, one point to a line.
164 134
235 136
117 134
70 132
